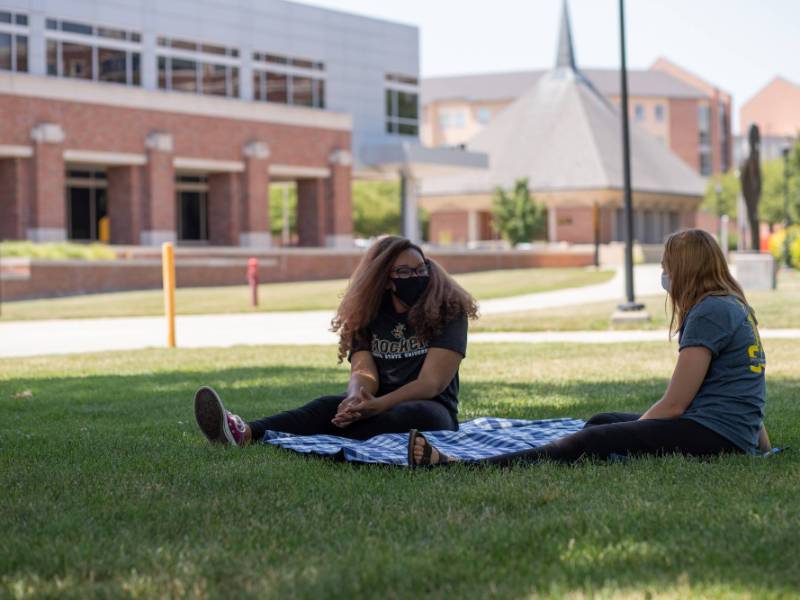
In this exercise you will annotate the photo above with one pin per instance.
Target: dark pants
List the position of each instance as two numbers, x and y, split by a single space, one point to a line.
315 418
623 434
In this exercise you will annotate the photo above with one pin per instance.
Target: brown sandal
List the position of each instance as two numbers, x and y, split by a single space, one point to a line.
427 451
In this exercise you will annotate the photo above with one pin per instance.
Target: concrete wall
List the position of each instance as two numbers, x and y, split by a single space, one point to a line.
24 279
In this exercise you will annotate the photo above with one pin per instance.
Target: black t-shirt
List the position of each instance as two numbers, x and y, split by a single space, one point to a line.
399 354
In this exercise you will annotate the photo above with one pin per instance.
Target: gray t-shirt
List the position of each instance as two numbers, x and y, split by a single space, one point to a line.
731 399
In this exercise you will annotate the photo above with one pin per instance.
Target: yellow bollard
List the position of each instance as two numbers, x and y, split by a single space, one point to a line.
168 276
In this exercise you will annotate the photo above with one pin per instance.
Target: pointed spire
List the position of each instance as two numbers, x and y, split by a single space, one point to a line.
565 55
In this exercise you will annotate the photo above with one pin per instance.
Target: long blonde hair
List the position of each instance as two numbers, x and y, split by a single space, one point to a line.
695 264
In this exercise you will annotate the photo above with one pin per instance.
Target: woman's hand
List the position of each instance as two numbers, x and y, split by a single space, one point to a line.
362 405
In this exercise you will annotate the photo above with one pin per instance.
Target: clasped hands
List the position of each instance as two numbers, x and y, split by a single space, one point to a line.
356 407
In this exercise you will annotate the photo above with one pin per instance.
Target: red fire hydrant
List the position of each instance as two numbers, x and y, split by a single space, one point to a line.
252 279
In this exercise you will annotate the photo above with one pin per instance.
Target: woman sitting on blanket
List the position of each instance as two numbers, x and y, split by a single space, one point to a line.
403 326
714 402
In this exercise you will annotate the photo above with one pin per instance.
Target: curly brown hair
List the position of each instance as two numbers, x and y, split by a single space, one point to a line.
442 301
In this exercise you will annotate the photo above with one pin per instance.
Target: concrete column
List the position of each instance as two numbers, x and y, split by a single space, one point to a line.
37 48
409 211
149 63
552 224
472 226
311 212
48 217
339 209
158 208
14 180
125 204
224 209
254 227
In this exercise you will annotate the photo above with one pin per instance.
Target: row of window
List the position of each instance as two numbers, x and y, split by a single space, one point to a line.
649 226
284 88
457 119
277 59
182 75
639 112
13 18
192 46
95 63
402 115
13 52
113 55
86 29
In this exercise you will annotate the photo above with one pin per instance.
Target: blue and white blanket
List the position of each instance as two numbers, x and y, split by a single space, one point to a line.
475 439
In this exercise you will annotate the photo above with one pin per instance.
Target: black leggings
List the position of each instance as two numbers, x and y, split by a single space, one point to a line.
623 434
315 418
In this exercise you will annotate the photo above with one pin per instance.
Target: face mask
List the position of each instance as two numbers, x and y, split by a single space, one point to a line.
410 290
666 282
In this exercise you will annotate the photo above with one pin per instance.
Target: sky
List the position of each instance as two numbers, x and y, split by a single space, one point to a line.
738 45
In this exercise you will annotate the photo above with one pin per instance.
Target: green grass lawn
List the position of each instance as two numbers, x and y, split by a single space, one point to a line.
774 309
108 489
316 295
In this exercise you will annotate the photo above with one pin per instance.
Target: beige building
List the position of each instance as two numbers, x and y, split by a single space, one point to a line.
775 108
564 136
689 115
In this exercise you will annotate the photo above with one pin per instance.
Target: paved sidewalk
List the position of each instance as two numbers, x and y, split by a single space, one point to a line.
31 338
646 282
68 336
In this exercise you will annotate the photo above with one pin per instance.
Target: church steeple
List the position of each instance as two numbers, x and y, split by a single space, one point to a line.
565 54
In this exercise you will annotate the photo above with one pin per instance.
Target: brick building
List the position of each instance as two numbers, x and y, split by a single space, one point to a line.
144 121
564 136
775 108
689 115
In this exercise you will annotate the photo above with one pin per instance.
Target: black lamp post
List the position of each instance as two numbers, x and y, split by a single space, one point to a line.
630 304
786 218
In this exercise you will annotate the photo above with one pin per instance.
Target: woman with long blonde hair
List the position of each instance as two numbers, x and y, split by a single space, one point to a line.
714 402
402 324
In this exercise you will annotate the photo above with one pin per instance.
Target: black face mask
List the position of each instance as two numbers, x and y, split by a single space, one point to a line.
410 290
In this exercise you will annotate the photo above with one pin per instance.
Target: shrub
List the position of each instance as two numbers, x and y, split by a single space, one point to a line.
57 251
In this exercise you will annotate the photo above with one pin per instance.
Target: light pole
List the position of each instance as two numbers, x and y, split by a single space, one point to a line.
786 218
718 191
630 304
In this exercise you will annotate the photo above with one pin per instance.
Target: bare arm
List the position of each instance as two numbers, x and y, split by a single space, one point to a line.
686 379
363 373
437 372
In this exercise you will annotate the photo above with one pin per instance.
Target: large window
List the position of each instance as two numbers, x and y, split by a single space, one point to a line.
192 208
724 139
704 123
195 67
659 112
87 205
288 80
13 42
402 104
451 118
704 138
83 51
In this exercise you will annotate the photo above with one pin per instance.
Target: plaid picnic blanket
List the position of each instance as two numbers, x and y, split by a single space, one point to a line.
475 439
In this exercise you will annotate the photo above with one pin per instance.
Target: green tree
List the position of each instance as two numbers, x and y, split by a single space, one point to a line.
276 193
772 200
724 202
517 216
376 208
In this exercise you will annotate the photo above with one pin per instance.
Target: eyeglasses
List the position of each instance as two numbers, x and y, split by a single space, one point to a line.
406 272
